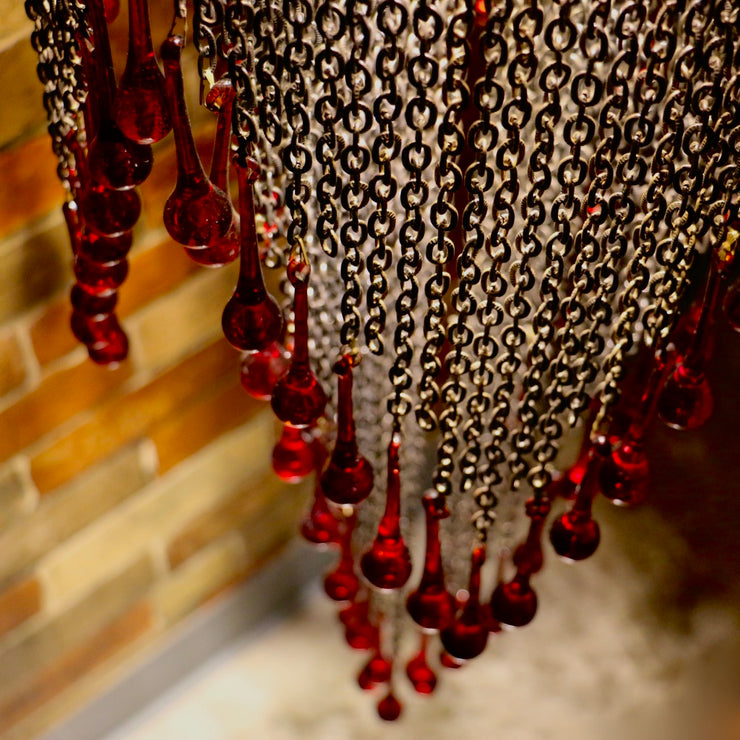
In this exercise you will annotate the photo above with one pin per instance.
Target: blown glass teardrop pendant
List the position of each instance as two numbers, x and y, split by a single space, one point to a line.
430 605
467 635
515 603
220 99
348 476
197 214
377 670
298 397
387 564
293 456
251 320
389 708
141 111
419 672
342 584
260 370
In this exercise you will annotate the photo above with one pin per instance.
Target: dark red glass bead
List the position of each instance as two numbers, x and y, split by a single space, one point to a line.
348 476
261 370
100 277
387 564
361 635
686 401
251 320
514 603
105 248
112 352
93 304
467 634
624 476
292 456
421 676
141 110
389 708
110 212
376 670
197 214
320 526
342 584
115 161
575 535
430 605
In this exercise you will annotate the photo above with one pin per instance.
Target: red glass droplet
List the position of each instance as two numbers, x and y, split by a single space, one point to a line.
261 370
348 476
141 110
320 526
292 456
342 584
93 304
359 632
226 249
575 535
105 248
686 401
376 670
251 320
387 564
389 708
731 306
515 603
116 162
197 214
466 636
624 476
422 677
113 160
100 277
431 606
103 336
110 212
298 397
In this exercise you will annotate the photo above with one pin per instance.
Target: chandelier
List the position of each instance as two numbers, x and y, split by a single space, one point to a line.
489 226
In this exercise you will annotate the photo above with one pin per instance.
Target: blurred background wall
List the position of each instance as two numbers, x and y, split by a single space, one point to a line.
127 497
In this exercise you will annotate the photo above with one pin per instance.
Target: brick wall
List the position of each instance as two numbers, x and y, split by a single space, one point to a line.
128 498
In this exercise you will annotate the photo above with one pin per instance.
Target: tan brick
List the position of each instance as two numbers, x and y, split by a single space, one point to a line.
75 663
21 661
247 504
16 24
178 437
199 578
36 266
22 94
164 508
12 367
18 603
73 507
15 498
275 526
59 397
153 272
185 319
128 417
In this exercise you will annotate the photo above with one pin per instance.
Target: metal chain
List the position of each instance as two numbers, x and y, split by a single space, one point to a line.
420 114
392 22
55 38
357 119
